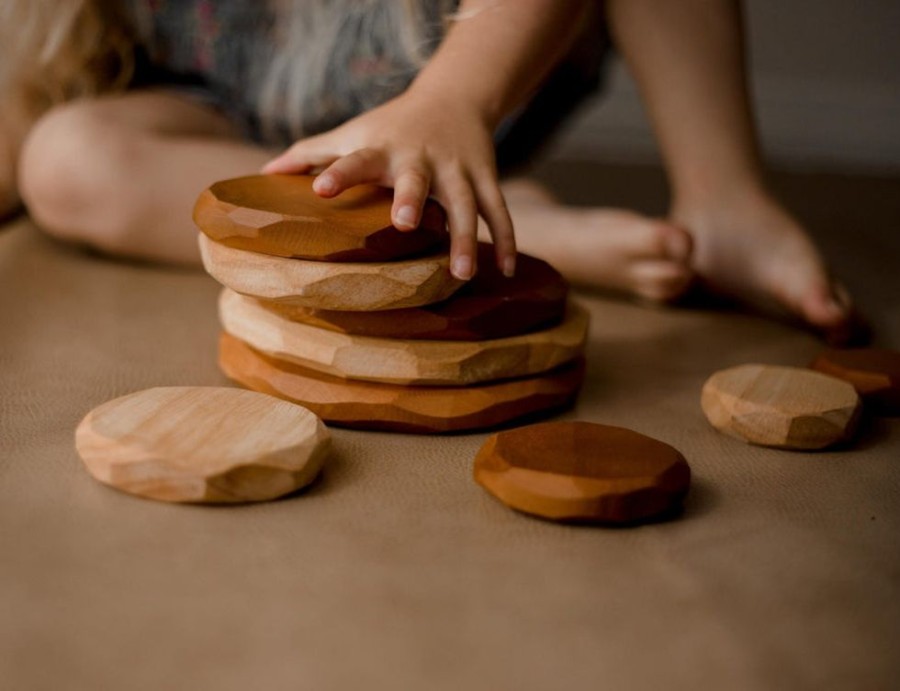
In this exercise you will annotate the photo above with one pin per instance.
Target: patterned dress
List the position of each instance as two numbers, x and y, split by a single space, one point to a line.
222 51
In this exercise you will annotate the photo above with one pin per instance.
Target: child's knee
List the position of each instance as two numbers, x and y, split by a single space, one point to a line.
74 174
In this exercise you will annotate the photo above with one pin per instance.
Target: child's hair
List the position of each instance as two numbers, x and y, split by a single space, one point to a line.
311 38
57 51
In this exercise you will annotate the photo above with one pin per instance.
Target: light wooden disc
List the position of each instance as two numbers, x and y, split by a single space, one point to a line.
490 305
417 410
281 215
397 361
581 471
784 407
325 285
202 444
873 372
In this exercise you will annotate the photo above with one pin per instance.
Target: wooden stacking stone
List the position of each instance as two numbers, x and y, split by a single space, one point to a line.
583 472
873 372
418 410
327 304
281 215
403 361
202 444
326 285
783 407
490 305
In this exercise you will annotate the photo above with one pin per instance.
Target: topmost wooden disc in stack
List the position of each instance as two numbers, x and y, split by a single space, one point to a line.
281 215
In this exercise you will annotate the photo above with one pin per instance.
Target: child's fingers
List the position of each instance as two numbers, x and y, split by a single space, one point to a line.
302 157
363 165
410 192
493 209
462 215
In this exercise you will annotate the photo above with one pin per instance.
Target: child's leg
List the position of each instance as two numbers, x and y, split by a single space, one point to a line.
600 248
121 173
688 59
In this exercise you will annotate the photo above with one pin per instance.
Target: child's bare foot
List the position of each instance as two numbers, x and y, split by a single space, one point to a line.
750 248
601 248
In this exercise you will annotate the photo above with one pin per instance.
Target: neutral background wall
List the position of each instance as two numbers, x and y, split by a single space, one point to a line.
826 78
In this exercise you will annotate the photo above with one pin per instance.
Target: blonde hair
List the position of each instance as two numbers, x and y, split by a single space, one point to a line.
297 87
57 51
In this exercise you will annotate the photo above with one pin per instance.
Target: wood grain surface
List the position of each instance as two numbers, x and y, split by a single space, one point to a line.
398 361
488 306
330 285
409 409
873 372
581 471
783 407
202 444
281 215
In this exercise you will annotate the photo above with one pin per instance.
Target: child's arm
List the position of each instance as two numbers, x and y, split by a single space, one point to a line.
437 137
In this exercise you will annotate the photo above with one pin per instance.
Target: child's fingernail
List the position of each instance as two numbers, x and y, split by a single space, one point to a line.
406 216
462 267
509 267
324 185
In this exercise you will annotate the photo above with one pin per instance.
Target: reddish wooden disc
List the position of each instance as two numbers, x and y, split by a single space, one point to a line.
281 215
873 372
417 410
488 306
581 471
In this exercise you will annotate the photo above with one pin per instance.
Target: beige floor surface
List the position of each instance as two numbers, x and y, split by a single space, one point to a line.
396 571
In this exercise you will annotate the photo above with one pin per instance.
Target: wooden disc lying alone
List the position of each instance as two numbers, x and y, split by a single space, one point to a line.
488 306
784 407
397 361
326 285
581 471
202 444
873 372
281 215
417 410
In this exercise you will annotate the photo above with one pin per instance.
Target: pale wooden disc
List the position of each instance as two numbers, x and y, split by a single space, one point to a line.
202 444
410 409
784 407
327 285
581 471
445 363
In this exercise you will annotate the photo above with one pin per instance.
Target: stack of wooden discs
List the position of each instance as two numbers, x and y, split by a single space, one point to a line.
328 305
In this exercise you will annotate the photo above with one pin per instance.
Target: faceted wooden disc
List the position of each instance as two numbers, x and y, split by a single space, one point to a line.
488 306
282 216
417 410
202 444
399 361
581 471
330 285
784 407
873 372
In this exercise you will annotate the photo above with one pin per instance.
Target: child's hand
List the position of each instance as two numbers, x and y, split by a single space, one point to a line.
417 143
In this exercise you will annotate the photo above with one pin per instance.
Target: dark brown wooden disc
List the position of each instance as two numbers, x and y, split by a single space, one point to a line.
418 410
488 306
281 215
581 471
873 372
